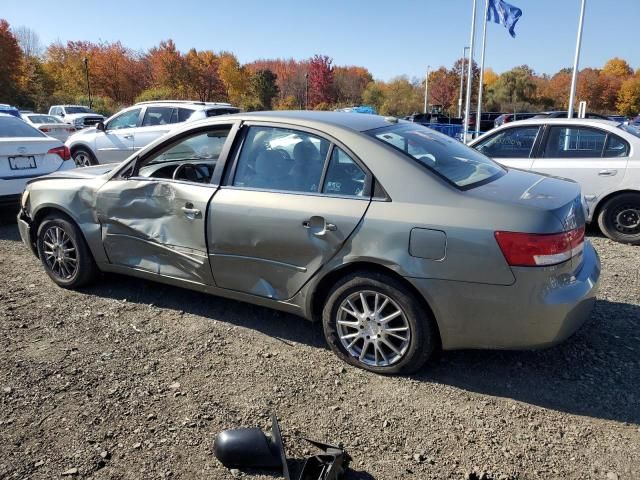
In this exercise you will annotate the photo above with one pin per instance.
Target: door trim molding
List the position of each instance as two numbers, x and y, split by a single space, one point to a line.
259 259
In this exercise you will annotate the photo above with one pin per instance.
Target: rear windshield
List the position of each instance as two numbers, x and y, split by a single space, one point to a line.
449 158
44 119
14 127
632 129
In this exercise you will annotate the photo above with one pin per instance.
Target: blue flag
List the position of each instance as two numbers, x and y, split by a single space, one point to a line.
505 14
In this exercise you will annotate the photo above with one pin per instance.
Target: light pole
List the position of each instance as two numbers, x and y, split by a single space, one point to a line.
467 102
426 89
306 91
464 57
576 60
86 73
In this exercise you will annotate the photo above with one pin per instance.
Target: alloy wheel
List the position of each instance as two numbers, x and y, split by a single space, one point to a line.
82 159
373 328
60 253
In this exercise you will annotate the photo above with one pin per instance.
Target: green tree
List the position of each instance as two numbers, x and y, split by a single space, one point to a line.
11 61
265 88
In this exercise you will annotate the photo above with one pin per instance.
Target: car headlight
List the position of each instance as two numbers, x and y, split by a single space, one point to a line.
78 122
24 199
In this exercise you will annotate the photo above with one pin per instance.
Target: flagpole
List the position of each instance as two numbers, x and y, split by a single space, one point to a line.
576 60
469 74
480 88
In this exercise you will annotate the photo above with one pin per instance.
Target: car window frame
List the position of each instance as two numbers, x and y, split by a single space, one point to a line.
121 172
547 133
231 170
534 146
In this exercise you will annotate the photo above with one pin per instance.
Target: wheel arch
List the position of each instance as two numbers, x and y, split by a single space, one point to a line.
43 212
84 146
322 288
601 202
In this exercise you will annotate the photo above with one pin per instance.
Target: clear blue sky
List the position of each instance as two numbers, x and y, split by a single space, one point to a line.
390 37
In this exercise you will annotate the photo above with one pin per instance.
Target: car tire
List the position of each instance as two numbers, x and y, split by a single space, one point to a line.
401 345
84 158
64 253
619 218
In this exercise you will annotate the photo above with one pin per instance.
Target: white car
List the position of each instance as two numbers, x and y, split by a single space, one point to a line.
25 153
77 115
602 155
50 125
135 127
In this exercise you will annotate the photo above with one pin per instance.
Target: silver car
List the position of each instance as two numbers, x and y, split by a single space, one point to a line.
399 239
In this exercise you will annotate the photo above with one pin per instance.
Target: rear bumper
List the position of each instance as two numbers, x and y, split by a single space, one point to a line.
542 308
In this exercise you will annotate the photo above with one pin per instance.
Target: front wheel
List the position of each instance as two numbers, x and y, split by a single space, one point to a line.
64 253
619 218
374 322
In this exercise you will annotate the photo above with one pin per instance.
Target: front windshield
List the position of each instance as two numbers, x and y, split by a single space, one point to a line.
632 129
449 158
78 110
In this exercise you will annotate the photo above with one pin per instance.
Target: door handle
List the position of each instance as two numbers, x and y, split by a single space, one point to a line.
607 173
190 212
128 136
319 225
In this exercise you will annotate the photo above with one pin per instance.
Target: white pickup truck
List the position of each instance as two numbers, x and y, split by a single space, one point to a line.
77 115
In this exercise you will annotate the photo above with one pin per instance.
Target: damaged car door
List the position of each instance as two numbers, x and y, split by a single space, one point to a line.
153 215
291 200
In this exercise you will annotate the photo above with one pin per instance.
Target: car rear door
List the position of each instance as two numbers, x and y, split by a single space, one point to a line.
593 157
512 146
155 223
290 202
115 143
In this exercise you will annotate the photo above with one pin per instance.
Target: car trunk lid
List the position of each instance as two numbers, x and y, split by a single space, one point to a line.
27 157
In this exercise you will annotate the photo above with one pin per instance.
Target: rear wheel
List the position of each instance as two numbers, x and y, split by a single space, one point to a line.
374 322
84 158
64 253
619 218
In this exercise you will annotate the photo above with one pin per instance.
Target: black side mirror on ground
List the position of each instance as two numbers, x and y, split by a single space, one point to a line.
100 126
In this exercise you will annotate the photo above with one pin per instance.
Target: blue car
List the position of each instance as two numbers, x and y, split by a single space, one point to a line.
9 110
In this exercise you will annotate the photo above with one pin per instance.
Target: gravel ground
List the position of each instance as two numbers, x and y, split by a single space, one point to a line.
132 379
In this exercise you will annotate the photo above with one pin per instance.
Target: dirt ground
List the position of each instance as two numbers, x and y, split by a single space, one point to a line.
130 379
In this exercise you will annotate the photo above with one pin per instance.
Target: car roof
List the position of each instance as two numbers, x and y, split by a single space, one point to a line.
193 103
353 121
564 121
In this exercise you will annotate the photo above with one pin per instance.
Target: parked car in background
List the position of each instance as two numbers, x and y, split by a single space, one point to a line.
77 115
25 153
563 114
487 119
135 127
512 117
603 156
618 118
9 110
399 239
50 125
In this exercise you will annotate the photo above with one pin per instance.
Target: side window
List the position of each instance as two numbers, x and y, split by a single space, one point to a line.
127 119
574 142
344 176
184 114
510 143
157 116
616 147
281 159
192 159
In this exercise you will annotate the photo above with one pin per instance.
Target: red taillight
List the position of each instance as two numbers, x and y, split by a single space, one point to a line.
63 152
530 249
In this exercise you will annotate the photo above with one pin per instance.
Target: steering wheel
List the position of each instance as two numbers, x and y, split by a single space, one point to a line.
199 172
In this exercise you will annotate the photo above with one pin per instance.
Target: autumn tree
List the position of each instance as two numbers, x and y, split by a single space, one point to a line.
202 80
349 83
374 95
321 88
168 68
402 98
11 61
236 80
444 89
617 67
629 96
264 87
